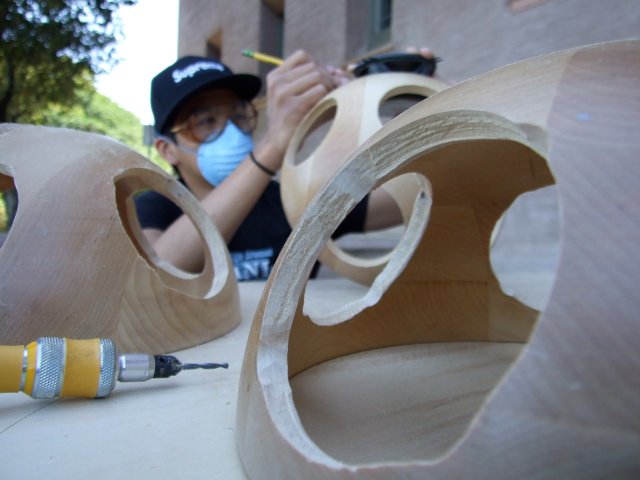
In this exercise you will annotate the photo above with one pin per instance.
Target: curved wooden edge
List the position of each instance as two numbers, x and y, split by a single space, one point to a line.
568 404
394 264
406 190
203 284
88 276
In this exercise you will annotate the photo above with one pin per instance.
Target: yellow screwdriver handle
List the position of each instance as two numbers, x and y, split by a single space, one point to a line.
11 359
54 367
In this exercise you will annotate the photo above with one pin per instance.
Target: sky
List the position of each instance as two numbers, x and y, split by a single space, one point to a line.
150 44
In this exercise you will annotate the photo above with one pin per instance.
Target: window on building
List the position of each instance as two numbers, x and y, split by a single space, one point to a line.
380 13
272 31
214 45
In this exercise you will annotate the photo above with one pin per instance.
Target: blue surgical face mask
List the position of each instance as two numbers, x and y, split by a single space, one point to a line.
218 158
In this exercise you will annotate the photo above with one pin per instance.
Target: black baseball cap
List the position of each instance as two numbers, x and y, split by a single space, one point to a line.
190 75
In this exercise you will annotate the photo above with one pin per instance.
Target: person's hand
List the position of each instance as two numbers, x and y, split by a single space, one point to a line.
340 77
292 90
424 51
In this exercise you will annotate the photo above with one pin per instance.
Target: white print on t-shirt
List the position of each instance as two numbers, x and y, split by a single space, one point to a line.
252 264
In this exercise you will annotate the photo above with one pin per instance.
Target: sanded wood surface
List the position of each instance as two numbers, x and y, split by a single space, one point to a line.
75 263
567 406
399 403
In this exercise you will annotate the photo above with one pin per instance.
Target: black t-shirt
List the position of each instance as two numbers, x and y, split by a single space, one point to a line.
258 241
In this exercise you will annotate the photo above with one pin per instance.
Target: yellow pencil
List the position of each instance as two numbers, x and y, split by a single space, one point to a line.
261 57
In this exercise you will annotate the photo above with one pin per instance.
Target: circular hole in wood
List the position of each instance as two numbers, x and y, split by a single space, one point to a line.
353 254
169 209
8 205
138 182
316 131
366 248
374 244
358 259
525 247
396 104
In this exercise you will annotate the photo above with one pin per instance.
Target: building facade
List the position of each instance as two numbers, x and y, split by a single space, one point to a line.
471 36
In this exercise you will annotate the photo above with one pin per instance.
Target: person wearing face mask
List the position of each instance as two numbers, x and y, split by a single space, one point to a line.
204 121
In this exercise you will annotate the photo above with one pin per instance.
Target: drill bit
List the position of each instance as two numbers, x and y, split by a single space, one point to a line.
205 366
168 365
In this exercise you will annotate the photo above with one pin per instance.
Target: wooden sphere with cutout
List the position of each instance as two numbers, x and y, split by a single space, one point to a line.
565 401
334 128
75 262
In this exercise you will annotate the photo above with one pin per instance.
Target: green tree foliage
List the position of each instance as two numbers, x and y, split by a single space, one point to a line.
50 52
48 49
93 112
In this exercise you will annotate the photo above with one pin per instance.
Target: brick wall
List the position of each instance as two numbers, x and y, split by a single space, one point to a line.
471 36
477 36
233 25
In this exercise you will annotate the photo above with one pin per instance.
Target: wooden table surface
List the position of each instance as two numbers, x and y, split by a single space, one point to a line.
181 427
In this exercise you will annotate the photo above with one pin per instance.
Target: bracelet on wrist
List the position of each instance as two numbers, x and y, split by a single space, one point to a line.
266 170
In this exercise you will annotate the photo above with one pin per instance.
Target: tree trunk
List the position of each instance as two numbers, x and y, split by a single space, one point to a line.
7 95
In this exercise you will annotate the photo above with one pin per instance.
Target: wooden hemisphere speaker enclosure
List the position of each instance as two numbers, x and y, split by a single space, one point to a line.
76 264
437 373
334 128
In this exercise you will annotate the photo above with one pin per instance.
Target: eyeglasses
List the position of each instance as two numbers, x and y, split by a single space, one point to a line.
207 123
396 62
